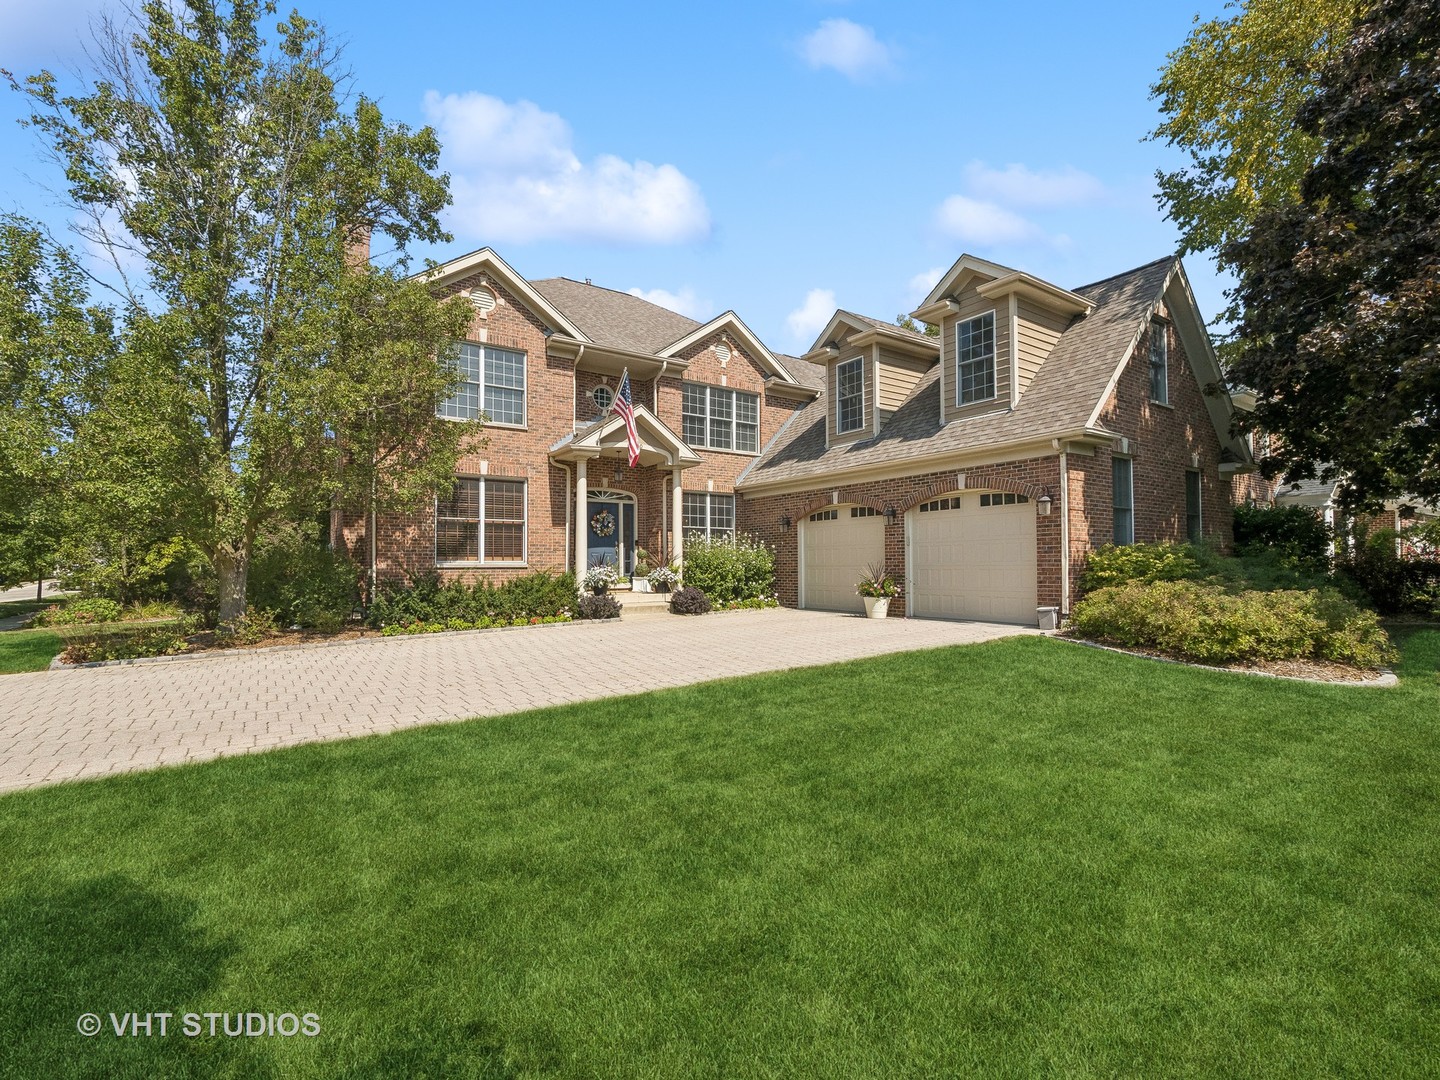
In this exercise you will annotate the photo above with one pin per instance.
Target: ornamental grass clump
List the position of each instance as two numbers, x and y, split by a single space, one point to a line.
1206 623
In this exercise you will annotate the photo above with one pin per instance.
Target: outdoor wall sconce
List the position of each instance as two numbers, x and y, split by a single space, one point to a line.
1042 506
785 523
890 513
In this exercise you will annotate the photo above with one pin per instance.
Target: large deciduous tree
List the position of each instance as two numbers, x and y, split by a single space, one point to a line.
51 341
1229 96
227 178
1341 289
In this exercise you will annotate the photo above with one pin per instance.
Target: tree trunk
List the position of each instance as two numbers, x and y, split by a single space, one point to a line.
232 568
39 584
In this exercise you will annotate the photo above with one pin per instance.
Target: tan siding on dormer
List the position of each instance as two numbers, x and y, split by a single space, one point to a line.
898 376
867 369
973 304
1038 331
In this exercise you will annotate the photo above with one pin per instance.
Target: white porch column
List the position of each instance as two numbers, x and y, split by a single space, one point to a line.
677 517
582 527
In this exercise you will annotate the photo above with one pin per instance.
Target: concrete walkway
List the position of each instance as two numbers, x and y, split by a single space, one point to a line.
66 725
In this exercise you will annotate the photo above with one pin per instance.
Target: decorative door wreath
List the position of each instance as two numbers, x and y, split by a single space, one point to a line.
603 523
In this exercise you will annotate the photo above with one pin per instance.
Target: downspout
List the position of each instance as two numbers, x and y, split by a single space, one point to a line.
371 529
655 388
1064 534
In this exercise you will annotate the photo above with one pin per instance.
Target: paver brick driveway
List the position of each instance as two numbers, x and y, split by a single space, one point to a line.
64 725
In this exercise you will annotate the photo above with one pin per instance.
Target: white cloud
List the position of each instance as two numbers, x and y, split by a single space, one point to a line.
920 285
516 178
976 221
810 317
1017 185
685 301
849 48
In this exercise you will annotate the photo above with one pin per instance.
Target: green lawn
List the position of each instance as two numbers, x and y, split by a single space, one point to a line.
1019 859
28 650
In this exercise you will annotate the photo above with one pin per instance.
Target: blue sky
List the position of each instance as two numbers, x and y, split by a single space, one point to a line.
780 159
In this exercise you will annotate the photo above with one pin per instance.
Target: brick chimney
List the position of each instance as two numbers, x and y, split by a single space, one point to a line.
357 247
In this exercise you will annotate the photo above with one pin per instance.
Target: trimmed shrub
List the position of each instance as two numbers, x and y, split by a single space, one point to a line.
424 599
79 612
689 601
1395 585
1207 623
1295 533
602 606
742 568
1116 564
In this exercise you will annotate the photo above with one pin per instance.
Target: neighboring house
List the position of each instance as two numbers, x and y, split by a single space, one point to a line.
1322 497
981 466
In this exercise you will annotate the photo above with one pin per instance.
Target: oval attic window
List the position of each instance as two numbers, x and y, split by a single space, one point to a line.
602 396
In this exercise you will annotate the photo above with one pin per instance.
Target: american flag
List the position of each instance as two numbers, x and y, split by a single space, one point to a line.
626 408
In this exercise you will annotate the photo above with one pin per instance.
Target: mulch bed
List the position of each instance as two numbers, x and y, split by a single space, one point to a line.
1312 670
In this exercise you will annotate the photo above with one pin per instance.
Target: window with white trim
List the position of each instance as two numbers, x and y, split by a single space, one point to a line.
1122 480
482 521
708 515
1193 523
850 395
1159 364
494 385
718 418
975 359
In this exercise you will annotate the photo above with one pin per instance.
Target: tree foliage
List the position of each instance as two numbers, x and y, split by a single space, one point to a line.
1229 96
1341 289
259 357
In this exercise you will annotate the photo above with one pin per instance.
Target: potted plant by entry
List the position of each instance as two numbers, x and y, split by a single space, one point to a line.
599 578
877 588
640 576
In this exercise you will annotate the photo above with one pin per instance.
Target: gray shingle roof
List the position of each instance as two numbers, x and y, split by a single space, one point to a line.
1060 399
896 327
1307 489
806 373
615 319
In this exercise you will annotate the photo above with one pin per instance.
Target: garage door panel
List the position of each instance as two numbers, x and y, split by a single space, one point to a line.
835 554
969 561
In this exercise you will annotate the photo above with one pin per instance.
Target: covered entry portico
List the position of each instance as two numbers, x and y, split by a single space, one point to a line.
608 517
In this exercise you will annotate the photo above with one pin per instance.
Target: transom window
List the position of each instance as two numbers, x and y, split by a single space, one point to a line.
1002 498
825 515
494 385
863 511
482 521
1122 477
975 359
718 418
950 502
707 515
850 395
1159 364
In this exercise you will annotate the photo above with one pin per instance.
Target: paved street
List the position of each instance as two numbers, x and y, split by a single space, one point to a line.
64 725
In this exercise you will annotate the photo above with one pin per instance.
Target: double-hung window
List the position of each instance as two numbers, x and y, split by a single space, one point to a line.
494 385
1122 475
1192 506
482 521
718 418
850 395
708 515
975 359
1159 364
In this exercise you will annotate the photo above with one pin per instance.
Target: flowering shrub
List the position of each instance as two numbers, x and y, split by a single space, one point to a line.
1206 623
741 568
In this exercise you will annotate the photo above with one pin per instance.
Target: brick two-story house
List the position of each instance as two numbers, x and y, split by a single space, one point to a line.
981 466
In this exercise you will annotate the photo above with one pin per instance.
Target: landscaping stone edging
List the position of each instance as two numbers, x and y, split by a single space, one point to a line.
210 654
1386 677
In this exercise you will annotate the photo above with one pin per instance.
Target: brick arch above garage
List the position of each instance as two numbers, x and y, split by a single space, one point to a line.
979 480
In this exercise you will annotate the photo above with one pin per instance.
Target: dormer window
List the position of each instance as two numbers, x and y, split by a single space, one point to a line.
850 395
975 359
1159 364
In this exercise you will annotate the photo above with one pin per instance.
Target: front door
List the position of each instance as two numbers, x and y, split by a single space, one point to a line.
611 524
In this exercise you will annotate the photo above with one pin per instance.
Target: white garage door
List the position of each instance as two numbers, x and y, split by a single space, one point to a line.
972 556
838 545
